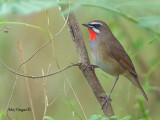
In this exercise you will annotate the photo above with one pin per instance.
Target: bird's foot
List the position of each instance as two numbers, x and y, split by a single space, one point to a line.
90 66
105 101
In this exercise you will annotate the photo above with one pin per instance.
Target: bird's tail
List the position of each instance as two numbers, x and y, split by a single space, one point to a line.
136 82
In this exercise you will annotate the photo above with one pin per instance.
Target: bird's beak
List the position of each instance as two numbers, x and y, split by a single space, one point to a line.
87 25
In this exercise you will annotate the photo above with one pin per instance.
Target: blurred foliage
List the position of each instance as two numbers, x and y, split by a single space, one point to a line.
24 7
1 114
102 117
48 118
125 18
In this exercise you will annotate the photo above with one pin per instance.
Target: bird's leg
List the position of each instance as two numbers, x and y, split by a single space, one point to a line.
91 66
108 97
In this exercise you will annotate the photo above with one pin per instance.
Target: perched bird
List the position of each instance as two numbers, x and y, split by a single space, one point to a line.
110 56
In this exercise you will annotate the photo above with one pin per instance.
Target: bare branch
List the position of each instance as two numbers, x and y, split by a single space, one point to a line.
42 76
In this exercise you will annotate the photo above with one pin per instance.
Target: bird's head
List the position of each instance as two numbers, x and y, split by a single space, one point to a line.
95 28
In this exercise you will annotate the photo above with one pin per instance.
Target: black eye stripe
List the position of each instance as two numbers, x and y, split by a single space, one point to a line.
95 25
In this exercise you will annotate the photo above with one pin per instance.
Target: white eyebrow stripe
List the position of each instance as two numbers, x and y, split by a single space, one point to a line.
96 23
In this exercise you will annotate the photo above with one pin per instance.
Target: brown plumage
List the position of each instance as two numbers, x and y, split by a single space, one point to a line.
109 55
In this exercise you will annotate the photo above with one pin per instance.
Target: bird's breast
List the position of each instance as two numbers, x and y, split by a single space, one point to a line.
100 55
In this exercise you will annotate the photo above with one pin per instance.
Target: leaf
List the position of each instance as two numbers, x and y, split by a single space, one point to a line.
1 20
154 39
104 118
48 118
1 114
153 67
126 118
139 44
115 117
25 7
5 9
149 21
140 4
76 5
94 117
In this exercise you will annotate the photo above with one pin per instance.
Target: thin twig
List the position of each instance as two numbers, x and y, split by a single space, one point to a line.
65 77
45 94
48 21
42 76
52 38
10 99
69 101
35 53
46 105
6 28
27 84
3 27
75 96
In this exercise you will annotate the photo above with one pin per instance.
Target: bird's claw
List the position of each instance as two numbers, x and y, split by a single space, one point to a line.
106 100
90 66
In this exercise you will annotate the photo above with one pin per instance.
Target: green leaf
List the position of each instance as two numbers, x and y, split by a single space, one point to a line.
104 118
140 4
25 7
149 21
126 118
1 114
94 117
48 118
139 44
115 117
154 67
1 20
154 39
76 5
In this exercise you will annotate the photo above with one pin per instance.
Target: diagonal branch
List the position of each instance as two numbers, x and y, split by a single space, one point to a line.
83 58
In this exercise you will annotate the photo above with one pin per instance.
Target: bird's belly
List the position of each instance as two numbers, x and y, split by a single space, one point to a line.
108 65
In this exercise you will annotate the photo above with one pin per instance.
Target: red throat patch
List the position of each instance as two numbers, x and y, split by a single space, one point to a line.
93 35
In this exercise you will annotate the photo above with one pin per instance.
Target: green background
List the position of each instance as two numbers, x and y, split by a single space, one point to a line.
136 24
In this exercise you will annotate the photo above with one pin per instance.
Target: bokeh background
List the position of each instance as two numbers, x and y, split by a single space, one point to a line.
136 24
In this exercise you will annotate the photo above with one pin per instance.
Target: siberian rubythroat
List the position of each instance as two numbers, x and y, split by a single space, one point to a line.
109 55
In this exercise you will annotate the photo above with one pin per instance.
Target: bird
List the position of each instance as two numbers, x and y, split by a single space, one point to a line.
110 56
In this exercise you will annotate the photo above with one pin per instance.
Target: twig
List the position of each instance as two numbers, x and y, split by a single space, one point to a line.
51 40
46 105
65 77
83 58
3 27
10 99
6 28
69 101
27 84
75 97
48 21
35 53
42 76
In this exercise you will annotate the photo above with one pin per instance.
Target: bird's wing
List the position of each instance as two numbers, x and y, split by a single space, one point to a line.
119 54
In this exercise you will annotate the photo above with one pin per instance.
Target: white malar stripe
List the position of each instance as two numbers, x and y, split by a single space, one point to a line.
95 30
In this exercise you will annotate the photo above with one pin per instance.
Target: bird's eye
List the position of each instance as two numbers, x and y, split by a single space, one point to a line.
96 25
